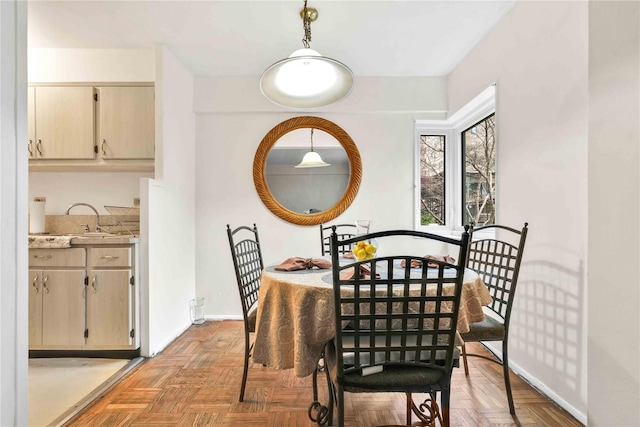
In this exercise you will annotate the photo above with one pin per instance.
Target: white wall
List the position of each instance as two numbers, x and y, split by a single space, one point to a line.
168 239
91 65
614 209
13 214
62 189
422 97
227 138
538 56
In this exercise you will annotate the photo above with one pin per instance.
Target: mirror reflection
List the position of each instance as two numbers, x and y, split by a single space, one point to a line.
307 190
318 188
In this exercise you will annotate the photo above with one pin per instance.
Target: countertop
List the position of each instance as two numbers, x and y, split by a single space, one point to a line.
70 240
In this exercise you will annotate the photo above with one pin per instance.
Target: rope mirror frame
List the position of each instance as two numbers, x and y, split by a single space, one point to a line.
260 160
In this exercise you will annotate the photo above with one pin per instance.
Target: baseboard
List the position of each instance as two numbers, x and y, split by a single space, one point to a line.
216 318
219 318
541 387
159 348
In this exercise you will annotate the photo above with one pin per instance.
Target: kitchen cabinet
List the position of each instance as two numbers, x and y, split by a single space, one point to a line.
110 298
61 122
57 298
83 298
84 127
126 122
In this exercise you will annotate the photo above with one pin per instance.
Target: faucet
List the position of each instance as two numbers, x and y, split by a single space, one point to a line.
98 227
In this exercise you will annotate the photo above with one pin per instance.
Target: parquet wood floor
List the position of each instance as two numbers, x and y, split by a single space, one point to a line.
195 382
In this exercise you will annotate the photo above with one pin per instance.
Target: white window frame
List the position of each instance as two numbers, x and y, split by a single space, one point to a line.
476 110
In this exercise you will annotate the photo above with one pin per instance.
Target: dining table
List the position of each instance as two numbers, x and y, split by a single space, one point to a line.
296 315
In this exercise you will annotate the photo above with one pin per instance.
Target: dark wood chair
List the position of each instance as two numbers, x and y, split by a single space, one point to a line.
345 231
248 264
402 321
497 260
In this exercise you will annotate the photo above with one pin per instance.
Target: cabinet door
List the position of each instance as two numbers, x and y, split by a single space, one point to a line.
109 309
31 122
63 308
35 308
126 122
64 122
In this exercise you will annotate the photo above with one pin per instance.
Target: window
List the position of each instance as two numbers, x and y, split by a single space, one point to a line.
432 179
456 168
479 173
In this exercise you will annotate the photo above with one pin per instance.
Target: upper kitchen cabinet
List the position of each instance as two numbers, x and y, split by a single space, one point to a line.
61 122
125 123
84 127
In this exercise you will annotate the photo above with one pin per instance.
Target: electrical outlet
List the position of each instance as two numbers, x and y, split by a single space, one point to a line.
136 201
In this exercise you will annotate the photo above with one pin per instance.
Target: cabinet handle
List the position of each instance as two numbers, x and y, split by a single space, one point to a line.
110 257
29 148
35 284
39 147
93 284
104 142
43 256
44 284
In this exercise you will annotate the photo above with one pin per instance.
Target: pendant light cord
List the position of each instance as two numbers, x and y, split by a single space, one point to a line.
306 24
311 139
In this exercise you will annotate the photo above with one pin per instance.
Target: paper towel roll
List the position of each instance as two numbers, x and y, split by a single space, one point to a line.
36 216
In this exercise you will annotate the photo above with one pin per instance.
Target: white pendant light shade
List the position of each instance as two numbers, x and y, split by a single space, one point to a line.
306 79
312 160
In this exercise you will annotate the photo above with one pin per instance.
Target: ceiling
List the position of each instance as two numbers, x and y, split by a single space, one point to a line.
242 38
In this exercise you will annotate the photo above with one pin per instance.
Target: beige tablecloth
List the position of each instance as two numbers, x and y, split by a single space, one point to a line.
296 316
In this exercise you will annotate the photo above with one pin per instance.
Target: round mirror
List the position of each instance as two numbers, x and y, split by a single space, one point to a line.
303 193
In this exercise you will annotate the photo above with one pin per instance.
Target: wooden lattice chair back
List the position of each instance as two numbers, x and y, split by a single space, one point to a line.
247 262
402 319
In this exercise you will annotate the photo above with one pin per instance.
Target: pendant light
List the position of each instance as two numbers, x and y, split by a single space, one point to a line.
312 159
306 79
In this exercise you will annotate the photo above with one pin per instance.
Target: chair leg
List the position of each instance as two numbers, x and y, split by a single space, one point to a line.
409 408
445 417
340 406
507 380
444 405
246 366
464 359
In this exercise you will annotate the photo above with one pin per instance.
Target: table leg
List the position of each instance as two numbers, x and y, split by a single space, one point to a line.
319 413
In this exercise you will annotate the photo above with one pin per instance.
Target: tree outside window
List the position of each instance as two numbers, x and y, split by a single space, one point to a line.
479 173
432 179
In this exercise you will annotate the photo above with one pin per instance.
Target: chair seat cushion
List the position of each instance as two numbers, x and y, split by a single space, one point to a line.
489 329
396 378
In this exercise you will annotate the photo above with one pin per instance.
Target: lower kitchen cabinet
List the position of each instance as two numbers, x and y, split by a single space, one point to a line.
56 308
83 298
57 298
110 310
110 299
63 308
